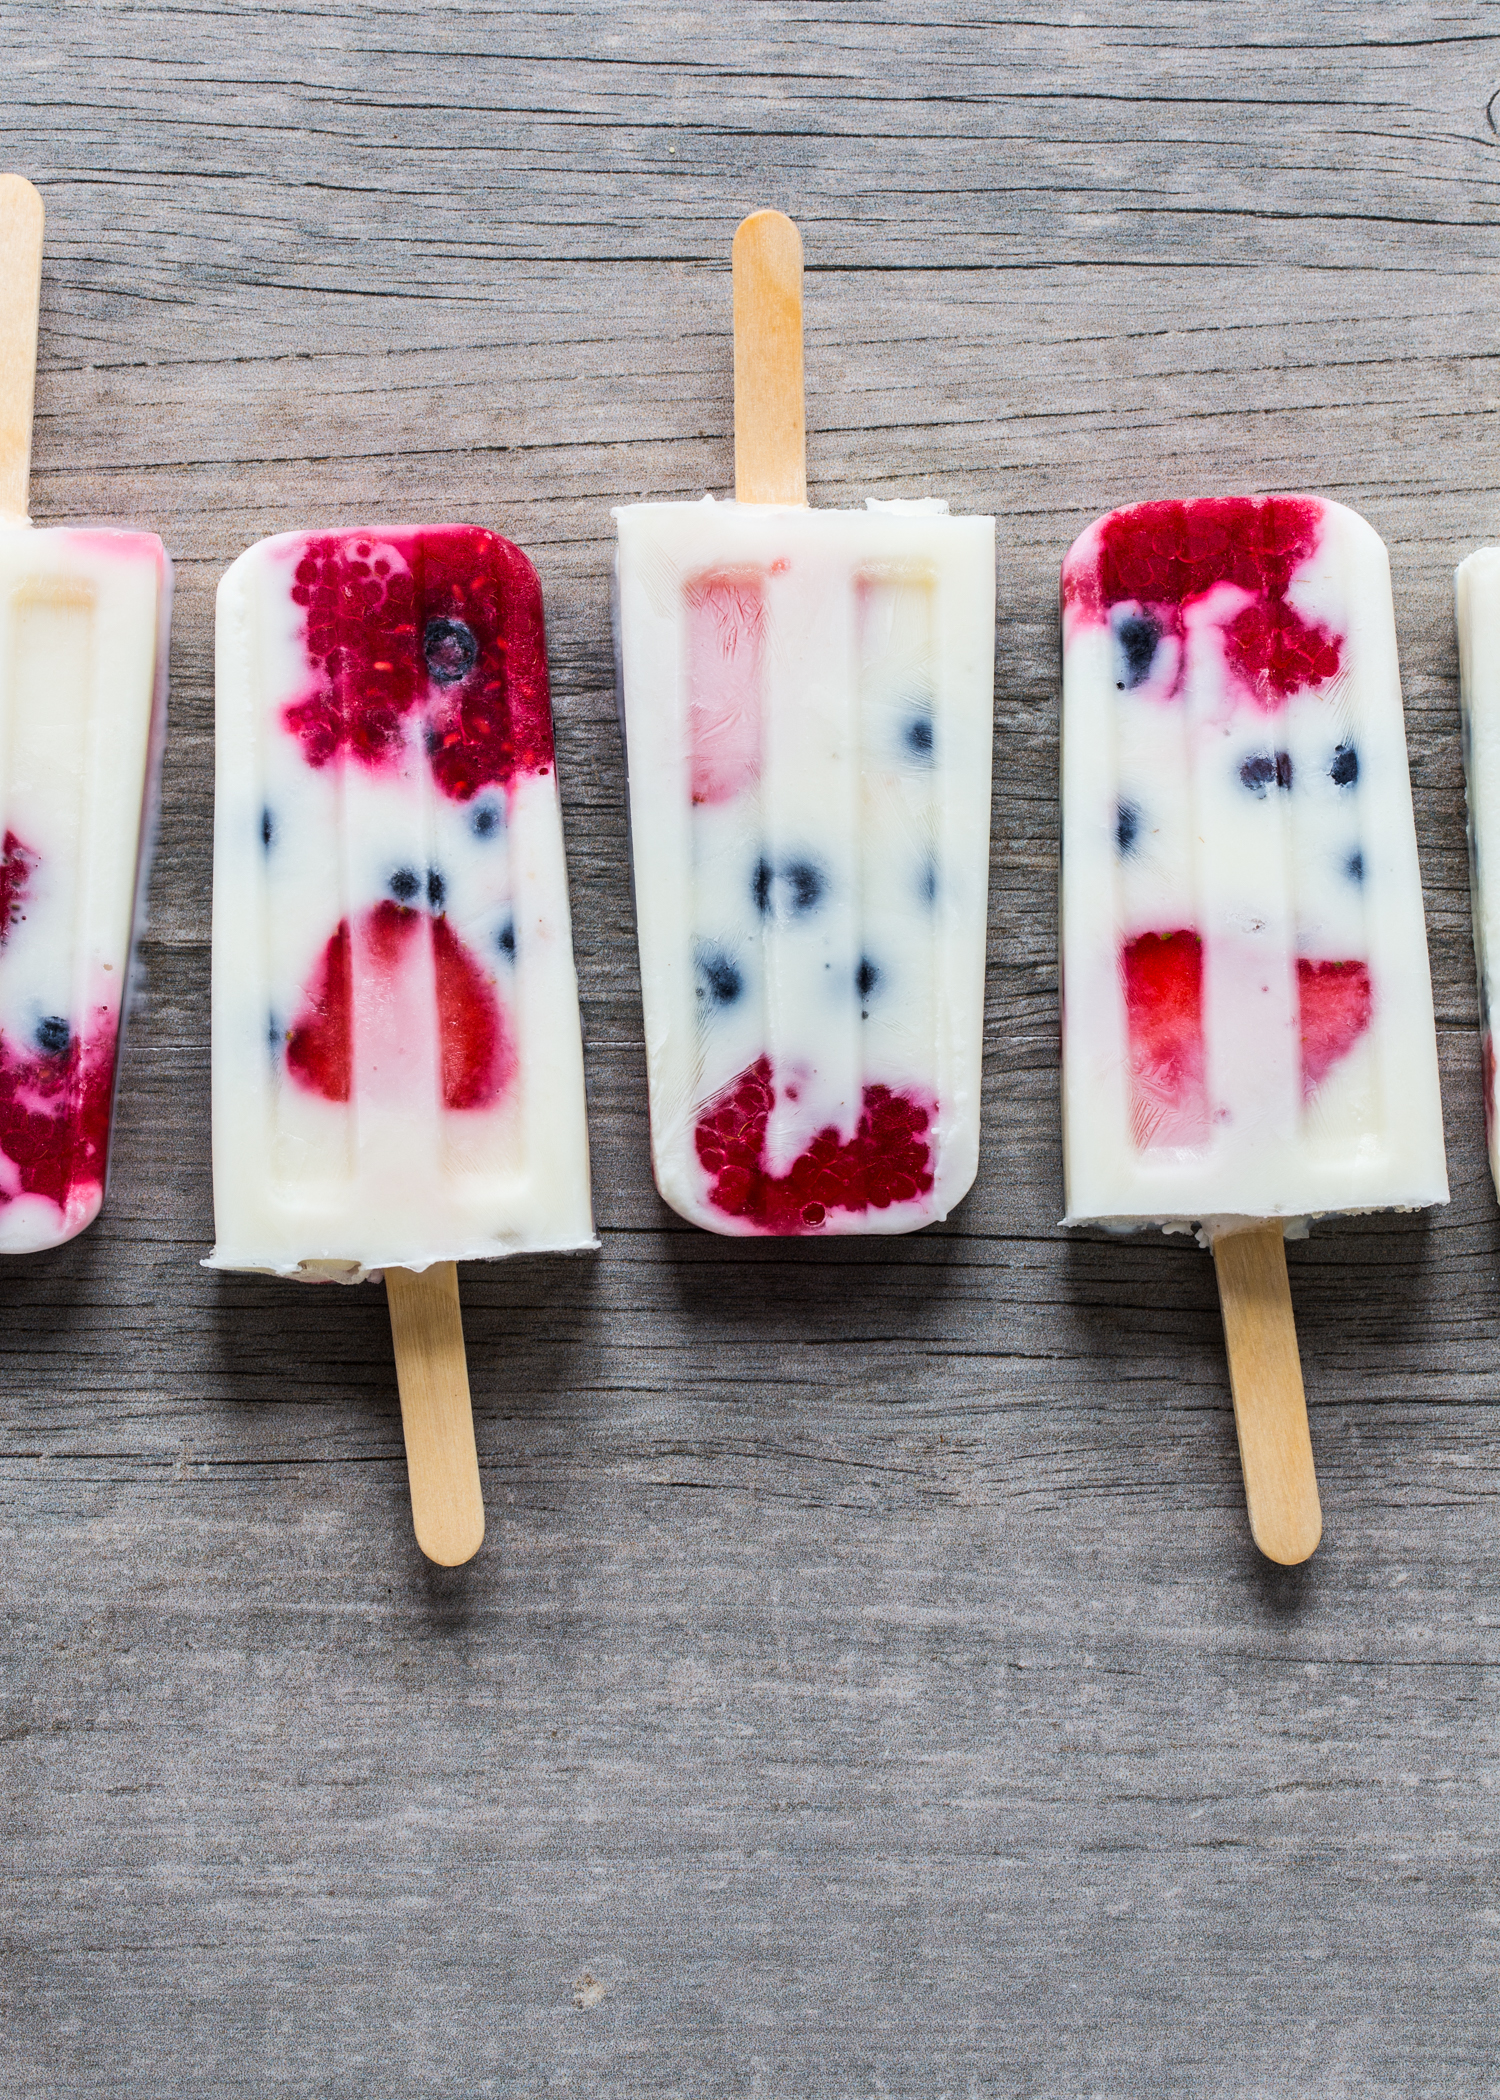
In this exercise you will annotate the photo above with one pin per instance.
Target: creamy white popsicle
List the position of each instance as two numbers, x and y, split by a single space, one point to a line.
397 1065
1477 601
807 698
1248 1028
84 616
1248 1036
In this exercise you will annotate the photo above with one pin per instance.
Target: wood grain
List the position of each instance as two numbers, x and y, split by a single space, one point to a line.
869 1679
1265 1383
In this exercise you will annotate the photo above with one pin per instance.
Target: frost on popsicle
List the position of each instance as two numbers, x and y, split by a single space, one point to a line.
1229 670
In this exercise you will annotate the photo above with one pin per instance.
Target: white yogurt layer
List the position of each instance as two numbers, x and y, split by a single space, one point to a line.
397 1063
84 615
1477 593
1247 1012
808 702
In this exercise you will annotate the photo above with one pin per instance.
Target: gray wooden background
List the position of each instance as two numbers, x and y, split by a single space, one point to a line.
868 1686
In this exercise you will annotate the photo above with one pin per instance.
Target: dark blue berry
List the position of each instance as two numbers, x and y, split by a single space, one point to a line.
919 738
1136 638
267 827
53 1035
273 1033
927 883
1354 867
1344 770
806 885
505 939
1265 769
451 651
719 980
866 977
437 889
795 888
1127 826
485 821
405 884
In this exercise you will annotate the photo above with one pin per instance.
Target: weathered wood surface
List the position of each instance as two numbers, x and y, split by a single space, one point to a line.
867 1684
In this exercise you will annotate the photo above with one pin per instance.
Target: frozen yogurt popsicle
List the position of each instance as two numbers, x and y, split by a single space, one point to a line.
83 667
1477 591
397 1065
807 698
1248 1034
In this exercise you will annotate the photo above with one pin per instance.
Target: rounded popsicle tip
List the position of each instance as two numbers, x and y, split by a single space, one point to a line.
451 1539
1289 1535
768 237
21 203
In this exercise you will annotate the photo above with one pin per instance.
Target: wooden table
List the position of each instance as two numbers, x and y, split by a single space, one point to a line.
868 1685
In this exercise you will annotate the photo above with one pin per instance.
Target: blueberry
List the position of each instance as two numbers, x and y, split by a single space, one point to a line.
505 940
719 980
437 889
796 887
918 738
273 1033
1127 826
1263 769
1354 867
1136 637
267 827
1344 770
485 821
927 882
451 651
53 1035
405 885
866 977
806 885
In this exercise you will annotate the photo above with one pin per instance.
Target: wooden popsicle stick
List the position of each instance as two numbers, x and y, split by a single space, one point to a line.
21 218
770 425
437 1420
1270 1407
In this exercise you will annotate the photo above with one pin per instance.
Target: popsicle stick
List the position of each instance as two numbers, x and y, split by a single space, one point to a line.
442 1465
770 426
1270 1407
20 301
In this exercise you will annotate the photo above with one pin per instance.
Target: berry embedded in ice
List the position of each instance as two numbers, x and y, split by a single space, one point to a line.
451 651
1266 769
485 821
1127 826
790 891
719 982
918 737
53 1035
1136 638
267 828
1344 770
405 884
437 889
866 977
1354 867
505 940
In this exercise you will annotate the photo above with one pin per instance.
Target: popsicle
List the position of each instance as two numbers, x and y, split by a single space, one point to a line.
1248 1037
397 1062
83 674
1477 597
807 700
